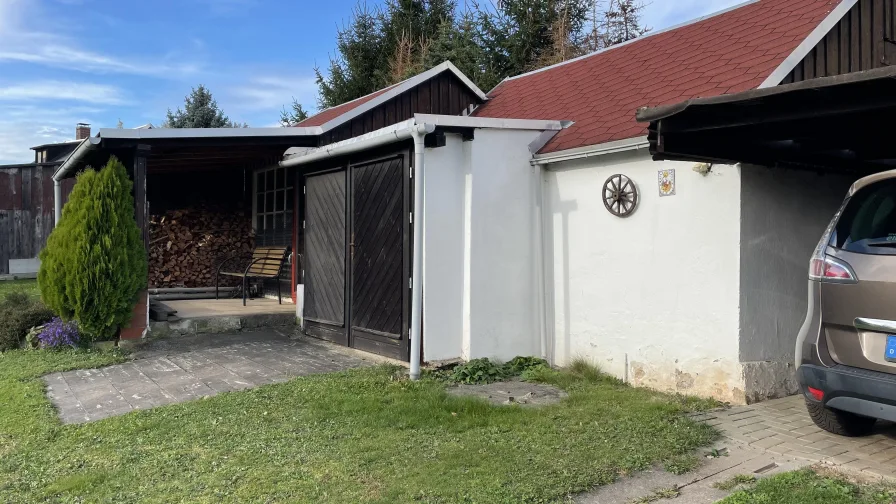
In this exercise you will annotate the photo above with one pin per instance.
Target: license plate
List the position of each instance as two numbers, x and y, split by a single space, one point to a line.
890 353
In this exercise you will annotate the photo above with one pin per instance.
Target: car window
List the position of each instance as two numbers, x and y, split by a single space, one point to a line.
868 222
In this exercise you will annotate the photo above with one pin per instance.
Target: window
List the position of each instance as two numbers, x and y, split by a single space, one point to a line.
868 223
272 215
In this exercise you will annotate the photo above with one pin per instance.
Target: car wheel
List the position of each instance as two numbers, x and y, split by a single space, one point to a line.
842 423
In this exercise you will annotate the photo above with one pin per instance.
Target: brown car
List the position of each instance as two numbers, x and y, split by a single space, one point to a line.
846 350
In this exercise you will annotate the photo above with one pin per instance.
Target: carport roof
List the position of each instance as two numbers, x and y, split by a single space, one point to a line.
191 148
840 123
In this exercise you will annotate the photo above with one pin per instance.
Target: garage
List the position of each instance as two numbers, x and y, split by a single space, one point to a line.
357 254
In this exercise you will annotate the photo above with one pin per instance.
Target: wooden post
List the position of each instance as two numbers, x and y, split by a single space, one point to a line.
140 320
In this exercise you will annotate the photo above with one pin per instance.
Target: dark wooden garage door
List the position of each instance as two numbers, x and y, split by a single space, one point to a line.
325 256
379 279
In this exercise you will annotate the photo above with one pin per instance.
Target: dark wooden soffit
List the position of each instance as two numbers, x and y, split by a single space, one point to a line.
864 39
838 123
201 154
444 94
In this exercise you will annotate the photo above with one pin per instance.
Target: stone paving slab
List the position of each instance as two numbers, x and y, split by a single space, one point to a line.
184 369
783 427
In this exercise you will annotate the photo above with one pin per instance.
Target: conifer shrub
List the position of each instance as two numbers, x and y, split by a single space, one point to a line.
94 264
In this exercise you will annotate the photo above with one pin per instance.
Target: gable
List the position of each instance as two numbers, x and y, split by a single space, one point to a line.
441 90
863 39
444 94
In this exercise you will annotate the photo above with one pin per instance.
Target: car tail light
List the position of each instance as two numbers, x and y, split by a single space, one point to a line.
829 269
825 268
818 395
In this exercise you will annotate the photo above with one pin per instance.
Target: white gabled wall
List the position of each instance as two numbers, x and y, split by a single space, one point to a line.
652 298
481 273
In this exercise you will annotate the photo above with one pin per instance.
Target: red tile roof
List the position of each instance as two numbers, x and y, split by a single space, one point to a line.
727 53
331 113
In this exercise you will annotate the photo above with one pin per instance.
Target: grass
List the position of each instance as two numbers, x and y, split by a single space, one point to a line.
365 435
808 487
29 286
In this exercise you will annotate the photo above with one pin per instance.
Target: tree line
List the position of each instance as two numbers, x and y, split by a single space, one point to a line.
488 40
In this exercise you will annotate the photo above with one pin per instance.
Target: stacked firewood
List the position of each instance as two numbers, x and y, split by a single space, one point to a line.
186 246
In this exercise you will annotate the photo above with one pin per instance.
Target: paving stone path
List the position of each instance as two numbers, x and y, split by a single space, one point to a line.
177 370
783 427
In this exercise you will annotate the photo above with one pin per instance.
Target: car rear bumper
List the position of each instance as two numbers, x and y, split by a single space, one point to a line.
867 393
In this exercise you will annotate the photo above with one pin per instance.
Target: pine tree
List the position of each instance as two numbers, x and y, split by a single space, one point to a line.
360 66
292 117
200 111
94 264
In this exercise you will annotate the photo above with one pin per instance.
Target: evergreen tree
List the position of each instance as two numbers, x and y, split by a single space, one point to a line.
359 67
294 116
94 264
380 47
488 41
200 111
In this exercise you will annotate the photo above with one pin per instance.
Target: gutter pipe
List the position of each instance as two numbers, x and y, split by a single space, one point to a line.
401 131
87 145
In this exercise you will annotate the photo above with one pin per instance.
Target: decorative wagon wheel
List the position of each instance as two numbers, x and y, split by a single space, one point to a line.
620 195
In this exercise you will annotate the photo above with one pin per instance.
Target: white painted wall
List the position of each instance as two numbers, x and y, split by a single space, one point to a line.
504 278
480 267
652 298
444 243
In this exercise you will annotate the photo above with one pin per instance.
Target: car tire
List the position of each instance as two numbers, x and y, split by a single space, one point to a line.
842 423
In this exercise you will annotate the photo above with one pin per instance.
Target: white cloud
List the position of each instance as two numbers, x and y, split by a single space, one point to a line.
59 90
53 51
266 93
23 126
20 43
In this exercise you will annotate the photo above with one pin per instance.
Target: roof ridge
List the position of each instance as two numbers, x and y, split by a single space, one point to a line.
632 41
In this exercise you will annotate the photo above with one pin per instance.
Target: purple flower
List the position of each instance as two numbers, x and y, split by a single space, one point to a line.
57 333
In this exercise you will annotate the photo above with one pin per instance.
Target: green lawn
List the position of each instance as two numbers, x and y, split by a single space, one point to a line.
359 436
808 487
29 286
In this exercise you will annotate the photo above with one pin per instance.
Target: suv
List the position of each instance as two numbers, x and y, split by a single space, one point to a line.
846 350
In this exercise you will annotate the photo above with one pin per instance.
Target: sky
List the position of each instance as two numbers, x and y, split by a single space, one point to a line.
101 61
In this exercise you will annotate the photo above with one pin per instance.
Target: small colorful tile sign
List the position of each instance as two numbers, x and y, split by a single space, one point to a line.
666 180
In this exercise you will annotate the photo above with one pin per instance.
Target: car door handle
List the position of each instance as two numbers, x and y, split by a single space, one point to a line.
877 325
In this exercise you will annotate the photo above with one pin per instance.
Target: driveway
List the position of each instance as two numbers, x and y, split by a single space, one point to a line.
782 427
182 369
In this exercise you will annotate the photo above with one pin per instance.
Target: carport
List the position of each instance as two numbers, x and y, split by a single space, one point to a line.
838 123
798 148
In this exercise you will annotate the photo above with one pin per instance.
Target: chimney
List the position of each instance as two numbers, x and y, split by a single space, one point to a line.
82 131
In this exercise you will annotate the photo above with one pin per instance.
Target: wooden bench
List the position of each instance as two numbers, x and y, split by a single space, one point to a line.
266 263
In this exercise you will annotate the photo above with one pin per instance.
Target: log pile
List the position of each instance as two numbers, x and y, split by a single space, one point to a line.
186 246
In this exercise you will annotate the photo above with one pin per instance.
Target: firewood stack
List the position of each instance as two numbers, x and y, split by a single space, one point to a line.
186 246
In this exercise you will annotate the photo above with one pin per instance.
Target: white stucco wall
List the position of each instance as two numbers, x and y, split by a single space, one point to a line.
504 308
480 269
652 298
444 243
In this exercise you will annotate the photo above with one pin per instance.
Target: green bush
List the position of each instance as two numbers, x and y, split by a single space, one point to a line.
18 314
94 264
518 365
478 371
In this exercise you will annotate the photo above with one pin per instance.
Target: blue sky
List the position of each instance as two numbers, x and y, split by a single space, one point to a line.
98 61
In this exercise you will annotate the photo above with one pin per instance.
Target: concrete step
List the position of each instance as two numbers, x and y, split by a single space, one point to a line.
227 324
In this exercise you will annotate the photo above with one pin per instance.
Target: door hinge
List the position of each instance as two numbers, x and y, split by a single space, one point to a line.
303 190
411 172
410 283
411 217
303 224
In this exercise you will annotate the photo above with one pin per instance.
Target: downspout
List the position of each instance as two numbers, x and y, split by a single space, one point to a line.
417 275
57 201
